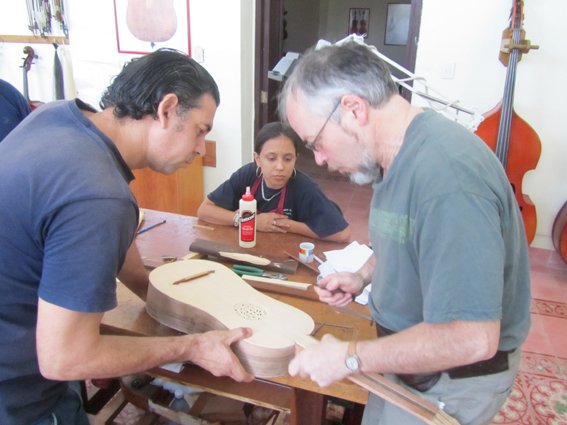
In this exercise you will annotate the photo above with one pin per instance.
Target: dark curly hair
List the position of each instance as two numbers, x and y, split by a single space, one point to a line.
144 81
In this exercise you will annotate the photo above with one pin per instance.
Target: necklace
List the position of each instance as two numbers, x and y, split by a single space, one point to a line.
271 197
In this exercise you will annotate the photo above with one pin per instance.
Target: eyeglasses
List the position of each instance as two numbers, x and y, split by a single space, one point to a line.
314 145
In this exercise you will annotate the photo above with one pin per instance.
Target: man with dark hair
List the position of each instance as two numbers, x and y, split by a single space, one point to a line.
13 108
450 272
68 223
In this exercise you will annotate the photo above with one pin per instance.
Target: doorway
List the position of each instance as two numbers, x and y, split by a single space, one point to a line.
272 23
275 18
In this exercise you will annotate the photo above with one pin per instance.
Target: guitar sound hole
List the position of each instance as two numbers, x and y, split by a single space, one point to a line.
250 311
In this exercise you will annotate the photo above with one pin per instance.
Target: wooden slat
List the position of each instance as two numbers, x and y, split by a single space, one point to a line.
107 414
301 286
308 294
232 252
403 398
181 193
210 158
258 392
33 39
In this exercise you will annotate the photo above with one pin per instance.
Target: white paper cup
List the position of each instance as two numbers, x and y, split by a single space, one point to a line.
306 252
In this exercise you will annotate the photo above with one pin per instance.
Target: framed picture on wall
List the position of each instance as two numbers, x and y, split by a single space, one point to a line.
358 21
143 27
397 24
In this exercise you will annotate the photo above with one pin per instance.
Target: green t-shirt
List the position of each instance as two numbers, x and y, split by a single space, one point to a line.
448 235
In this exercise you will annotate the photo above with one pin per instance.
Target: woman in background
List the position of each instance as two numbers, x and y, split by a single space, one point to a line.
288 200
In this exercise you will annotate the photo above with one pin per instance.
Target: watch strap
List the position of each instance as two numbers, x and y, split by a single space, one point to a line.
352 360
351 348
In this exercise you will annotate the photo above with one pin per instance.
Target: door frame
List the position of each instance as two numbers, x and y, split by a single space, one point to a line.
269 47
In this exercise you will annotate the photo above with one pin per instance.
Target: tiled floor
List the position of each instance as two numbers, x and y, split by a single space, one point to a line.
539 396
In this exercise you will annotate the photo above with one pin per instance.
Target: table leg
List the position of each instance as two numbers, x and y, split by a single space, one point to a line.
353 416
307 408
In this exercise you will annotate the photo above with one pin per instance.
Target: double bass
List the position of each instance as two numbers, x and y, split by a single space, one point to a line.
515 143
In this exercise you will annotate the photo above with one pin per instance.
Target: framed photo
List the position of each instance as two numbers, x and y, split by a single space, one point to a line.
358 20
143 27
397 24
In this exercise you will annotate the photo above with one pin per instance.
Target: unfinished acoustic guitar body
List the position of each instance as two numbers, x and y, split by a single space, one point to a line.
222 300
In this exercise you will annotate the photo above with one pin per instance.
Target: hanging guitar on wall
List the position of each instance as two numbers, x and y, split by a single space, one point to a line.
515 143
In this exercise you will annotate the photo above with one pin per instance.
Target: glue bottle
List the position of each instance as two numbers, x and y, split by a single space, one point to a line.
247 226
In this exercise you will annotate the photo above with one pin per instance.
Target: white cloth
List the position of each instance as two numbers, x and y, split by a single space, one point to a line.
349 259
64 54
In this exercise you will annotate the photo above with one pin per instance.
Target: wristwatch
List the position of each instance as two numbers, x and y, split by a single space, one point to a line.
236 219
352 361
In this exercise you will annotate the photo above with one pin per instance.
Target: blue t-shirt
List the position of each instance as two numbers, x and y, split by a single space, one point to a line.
448 235
13 108
304 201
67 218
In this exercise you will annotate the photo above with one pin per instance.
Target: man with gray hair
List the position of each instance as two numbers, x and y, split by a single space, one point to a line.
450 272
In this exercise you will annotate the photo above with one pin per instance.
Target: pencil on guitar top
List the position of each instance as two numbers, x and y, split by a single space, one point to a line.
193 276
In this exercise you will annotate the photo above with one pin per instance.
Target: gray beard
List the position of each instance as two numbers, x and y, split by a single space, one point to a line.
367 172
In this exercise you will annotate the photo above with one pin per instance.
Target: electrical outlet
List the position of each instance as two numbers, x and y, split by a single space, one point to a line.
447 70
198 54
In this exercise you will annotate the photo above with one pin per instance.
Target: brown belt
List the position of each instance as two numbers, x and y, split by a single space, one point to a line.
424 381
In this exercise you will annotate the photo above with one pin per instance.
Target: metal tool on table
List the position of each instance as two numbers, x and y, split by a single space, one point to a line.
237 255
240 270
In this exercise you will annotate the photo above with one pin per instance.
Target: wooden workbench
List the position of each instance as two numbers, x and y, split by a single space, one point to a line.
300 397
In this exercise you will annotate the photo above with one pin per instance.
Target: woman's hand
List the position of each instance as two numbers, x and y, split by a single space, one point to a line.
272 222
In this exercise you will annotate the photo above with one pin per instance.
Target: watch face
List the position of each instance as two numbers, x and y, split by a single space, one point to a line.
352 363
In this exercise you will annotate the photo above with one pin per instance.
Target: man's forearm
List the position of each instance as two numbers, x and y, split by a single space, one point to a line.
367 270
427 348
133 273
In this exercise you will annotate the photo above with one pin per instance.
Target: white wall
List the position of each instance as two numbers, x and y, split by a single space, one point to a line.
467 35
229 59
225 30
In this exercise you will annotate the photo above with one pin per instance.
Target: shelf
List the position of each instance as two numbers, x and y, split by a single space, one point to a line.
28 39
